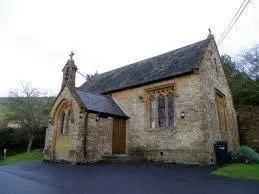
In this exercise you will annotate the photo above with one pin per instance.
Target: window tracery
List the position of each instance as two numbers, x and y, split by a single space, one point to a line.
160 106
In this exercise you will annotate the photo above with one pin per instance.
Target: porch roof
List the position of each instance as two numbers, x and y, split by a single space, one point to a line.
99 103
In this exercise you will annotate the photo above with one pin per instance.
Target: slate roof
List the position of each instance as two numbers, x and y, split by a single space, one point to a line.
99 103
174 63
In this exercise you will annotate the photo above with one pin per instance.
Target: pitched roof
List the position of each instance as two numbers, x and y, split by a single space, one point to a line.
174 63
99 103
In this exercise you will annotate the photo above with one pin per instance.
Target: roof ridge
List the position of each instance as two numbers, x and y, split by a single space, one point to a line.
150 58
172 63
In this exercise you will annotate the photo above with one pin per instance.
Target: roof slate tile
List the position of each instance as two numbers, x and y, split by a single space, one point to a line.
173 63
100 103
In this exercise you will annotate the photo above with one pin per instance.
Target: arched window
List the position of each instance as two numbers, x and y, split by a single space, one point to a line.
63 117
65 122
62 123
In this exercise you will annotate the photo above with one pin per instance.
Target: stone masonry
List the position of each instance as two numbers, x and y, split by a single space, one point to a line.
213 78
185 143
70 147
99 137
190 141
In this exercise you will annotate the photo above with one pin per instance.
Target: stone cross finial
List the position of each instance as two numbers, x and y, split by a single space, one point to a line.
71 55
210 34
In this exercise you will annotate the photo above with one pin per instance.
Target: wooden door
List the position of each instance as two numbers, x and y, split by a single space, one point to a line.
119 136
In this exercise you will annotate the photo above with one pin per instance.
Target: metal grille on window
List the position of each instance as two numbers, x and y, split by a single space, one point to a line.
161 112
171 111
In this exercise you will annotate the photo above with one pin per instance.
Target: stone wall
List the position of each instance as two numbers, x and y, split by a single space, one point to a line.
248 123
185 143
99 137
191 140
62 147
88 139
213 78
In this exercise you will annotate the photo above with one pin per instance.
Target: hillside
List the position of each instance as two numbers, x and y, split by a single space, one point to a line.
3 107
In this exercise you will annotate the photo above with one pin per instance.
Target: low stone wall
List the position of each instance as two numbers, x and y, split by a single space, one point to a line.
248 123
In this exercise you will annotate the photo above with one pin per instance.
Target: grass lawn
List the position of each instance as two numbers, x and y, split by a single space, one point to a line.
23 157
239 171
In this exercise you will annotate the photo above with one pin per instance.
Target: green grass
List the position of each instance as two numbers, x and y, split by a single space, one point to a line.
24 157
239 171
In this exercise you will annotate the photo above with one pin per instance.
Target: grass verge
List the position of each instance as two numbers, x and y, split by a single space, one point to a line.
239 171
23 157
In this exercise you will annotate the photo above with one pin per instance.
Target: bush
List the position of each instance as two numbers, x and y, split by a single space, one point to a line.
16 141
245 154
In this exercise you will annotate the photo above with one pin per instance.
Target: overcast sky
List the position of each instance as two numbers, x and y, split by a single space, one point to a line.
36 36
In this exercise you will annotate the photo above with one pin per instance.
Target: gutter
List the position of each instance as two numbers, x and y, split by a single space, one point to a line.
151 82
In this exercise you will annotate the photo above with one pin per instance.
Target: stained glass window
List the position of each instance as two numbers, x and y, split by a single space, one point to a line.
171 111
161 112
152 112
160 109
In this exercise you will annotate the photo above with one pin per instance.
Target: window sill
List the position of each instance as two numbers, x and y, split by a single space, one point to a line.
160 129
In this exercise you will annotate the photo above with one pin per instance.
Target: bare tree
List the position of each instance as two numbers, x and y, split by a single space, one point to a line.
28 108
248 62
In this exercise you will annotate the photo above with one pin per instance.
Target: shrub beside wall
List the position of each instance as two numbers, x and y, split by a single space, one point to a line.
245 154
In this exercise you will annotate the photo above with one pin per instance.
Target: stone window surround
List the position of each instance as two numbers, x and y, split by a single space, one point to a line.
63 108
154 92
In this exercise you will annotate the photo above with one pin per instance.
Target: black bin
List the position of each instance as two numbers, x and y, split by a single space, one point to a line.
222 152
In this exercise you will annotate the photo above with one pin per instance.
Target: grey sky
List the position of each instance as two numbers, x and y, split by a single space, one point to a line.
37 36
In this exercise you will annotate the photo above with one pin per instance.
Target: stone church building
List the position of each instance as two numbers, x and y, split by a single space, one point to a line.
171 108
